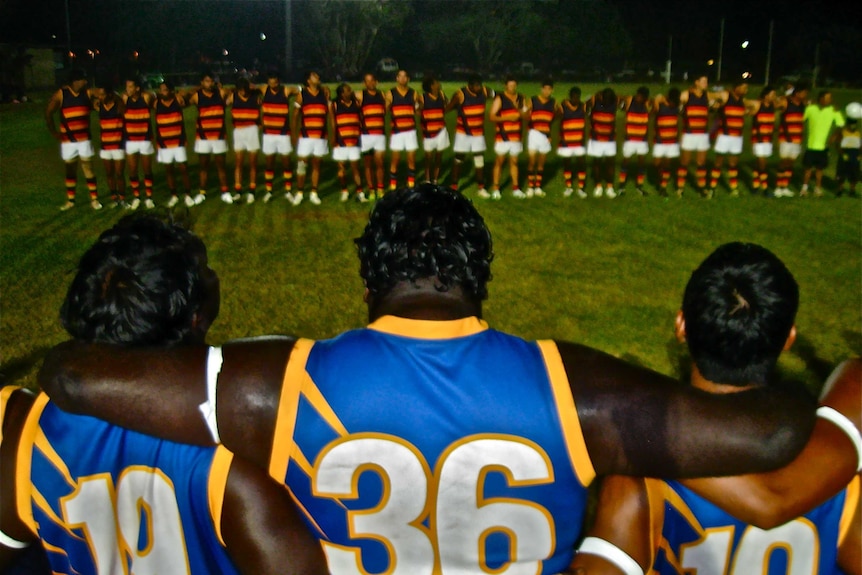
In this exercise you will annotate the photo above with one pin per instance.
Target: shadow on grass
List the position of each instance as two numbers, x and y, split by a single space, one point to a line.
854 341
804 349
16 369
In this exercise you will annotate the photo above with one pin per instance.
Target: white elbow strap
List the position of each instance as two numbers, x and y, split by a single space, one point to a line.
612 553
847 427
208 408
12 543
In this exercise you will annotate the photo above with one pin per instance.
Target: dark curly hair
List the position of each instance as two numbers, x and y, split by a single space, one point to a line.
141 283
428 231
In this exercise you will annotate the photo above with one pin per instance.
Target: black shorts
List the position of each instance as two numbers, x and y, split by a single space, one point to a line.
848 165
816 159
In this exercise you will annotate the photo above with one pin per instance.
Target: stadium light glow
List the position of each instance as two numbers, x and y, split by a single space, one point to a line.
745 45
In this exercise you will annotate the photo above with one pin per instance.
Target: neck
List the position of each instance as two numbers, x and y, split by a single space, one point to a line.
700 382
421 300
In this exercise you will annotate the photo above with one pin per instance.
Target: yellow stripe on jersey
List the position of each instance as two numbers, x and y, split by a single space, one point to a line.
307 513
429 329
295 377
41 443
572 432
217 485
850 502
655 490
24 460
5 394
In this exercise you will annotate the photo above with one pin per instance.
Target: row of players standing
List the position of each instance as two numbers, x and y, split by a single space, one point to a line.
357 120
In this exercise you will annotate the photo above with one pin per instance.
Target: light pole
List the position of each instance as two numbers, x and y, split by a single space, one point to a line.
720 50
288 37
769 53
669 59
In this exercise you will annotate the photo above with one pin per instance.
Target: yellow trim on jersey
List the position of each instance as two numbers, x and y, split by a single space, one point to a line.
5 393
568 413
23 464
427 329
654 489
294 380
41 443
217 485
851 500
316 399
307 513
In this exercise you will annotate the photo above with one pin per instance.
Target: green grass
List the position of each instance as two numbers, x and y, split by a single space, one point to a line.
606 273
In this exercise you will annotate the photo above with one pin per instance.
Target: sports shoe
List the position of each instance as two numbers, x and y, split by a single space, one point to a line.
67 206
149 203
95 204
539 192
597 193
568 192
249 198
582 194
226 197
289 196
200 198
709 193
483 193
189 201
529 192
267 197
518 194
734 193
344 196
236 196
641 191
297 199
173 201
611 193
818 192
496 195
360 197
803 191
136 203
312 197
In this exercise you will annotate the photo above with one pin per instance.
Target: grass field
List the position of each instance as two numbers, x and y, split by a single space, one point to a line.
608 273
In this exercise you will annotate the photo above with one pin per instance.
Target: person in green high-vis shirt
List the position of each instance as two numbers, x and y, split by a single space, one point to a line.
819 119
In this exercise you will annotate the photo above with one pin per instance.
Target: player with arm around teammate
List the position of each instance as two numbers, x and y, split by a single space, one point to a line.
572 145
346 130
763 116
695 103
171 141
109 107
470 102
310 125
637 108
665 148
372 104
402 101
733 107
277 139
602 147
211 136
474 434
508 111
737 316
138 104
542 113
244 106
435 136
102 499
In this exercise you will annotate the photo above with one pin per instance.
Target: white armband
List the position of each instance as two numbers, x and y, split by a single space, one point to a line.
12 543
208 408
847 427
612 553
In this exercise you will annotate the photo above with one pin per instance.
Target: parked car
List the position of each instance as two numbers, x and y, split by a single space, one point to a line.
387 65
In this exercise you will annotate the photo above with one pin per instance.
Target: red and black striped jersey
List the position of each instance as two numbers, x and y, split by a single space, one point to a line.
245 112
347 124
732 116
373 113
763 124
695 113
402 110
137 118
509 130
314 109
573 125
110 126
792 122
433 112
542 114
75 116
603 122
211 110
637 121
471 113
170 126
667 124
275 111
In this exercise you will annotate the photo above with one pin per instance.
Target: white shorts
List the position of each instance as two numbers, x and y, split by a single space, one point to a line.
538 142
317 147
376 142
571 151
277 144
465 144
725 144
438 143
403 142
789 150
596 149
176 155
142 147
210 146
346 153
665 150
112 154
508 148
73 150
762 149
694 142
631 148
246 139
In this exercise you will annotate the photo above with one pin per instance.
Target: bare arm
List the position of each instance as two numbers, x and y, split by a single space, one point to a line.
456 100
262 529
494 112
767 500
639 422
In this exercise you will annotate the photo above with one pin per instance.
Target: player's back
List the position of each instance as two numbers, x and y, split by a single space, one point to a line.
696 535
109 501
433 445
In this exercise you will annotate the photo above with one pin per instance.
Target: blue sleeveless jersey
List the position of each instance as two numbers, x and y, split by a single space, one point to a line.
426 447
105 500
698 537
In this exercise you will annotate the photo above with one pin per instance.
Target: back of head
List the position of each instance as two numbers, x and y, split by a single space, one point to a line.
426 232
428 83
739 307
242 84
643 92
673 97
143 282
76 75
